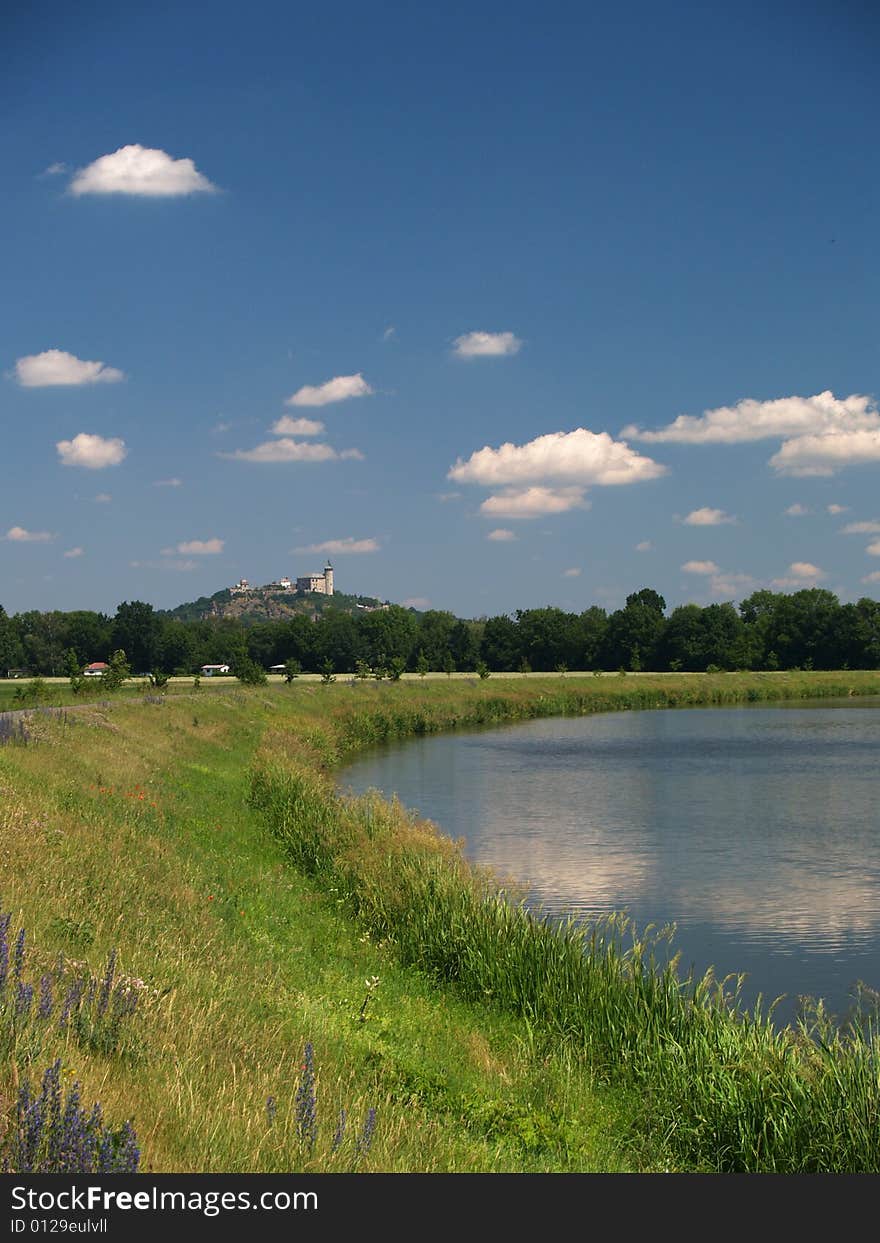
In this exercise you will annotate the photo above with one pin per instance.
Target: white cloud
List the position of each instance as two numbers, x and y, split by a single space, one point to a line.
287 450
168 483
75 552
54 169
200 547
347 545
501 535
644 546
800 574
165 565
797 510
103 498
445 497
18 535
874 549
533 502
759 420
724 586
56 367
286 426
873 577
825 453
707 517
92 452
580 456
700 567
486 345
340 388
144 171
574 572
390 333
837 509
861 528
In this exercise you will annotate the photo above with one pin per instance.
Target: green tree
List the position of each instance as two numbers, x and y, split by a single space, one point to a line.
249 673
135 630
292 670
117 672
74 672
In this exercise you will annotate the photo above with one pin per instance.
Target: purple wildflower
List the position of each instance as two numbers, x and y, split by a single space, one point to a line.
339 1133
366 1136
23 997
306 1112
44 1010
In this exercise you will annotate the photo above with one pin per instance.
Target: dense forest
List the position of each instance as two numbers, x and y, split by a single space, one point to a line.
808 629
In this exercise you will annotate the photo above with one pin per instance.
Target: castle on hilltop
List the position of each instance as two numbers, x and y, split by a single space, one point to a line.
322 583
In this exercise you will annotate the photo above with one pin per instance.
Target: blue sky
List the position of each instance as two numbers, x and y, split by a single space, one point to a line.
497 305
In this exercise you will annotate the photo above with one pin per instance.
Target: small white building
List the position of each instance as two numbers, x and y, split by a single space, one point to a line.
240 588
213 671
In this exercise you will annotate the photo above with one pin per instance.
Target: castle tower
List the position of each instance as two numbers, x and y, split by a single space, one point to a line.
328 579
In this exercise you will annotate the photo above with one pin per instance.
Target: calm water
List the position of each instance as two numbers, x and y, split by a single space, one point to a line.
755 830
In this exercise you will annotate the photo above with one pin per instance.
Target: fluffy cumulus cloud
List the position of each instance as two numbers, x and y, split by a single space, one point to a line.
338 546
198 548
286 426
700 567
144 171
91 452
837 509
861 528
644 545
797 510
827 453
18 535
57 368
501 535
708 517
75 552
574 572
874 548
486 345
340 388
799 574
762 420
579 457
873 577
287 450
533 502
820 434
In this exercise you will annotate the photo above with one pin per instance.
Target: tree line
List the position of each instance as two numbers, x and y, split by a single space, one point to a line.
807 629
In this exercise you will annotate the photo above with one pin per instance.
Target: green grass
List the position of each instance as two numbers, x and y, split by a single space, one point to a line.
254 905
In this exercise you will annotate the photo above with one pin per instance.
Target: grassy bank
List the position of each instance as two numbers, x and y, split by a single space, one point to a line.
482 1039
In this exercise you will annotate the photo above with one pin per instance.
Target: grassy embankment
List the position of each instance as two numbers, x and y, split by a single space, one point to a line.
489 1041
